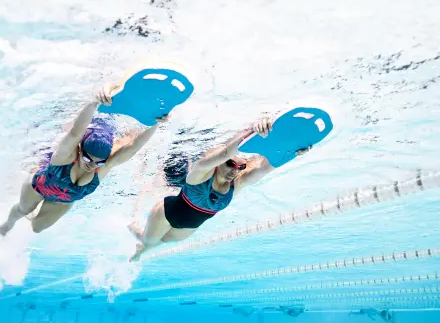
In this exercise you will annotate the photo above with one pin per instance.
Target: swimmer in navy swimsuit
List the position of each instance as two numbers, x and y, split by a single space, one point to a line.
82 159
209 188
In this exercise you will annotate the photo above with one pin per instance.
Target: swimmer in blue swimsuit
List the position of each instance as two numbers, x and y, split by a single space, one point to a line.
210 185
82 159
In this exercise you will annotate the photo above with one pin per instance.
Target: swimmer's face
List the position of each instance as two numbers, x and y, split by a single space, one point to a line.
231 168
89 162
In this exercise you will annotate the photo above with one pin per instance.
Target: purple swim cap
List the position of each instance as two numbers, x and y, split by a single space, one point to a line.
98 142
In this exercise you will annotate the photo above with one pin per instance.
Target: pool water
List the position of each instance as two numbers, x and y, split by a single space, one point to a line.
362 243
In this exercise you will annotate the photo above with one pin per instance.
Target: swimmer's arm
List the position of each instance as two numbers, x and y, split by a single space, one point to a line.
258 168
126 152
215 157
71 140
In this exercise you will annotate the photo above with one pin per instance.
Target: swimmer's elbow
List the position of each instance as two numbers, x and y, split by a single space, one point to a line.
257 173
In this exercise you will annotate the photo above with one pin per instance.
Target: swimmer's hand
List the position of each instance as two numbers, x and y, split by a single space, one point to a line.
163 119
301 152
263 126
104 96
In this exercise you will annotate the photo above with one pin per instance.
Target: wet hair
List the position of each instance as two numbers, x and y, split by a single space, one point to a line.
176 164
176 169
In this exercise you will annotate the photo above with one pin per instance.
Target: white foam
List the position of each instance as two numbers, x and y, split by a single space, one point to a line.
108 268
110 275
14 256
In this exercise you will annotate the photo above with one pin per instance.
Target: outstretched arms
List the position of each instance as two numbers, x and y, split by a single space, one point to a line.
258 167
215 157
127 151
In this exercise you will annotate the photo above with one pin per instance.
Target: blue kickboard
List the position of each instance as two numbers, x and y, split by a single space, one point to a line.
145 99
290 132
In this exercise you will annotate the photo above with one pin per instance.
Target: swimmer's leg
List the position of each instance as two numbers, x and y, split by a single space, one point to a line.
49 214
29 200
178 234
172 235
155 229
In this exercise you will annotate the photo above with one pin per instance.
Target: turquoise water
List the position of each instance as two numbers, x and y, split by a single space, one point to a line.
373 66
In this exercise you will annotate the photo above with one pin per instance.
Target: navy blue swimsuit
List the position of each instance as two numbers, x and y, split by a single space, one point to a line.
195 204
54 183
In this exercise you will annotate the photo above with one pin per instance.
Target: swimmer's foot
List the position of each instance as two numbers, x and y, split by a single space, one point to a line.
140 249
5 228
